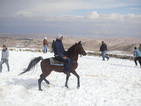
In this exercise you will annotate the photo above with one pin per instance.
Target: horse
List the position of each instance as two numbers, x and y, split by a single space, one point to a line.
73 53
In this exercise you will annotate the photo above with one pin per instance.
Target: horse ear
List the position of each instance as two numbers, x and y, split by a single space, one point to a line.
79 42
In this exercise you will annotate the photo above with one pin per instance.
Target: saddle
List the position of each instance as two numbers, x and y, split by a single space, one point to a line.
55 62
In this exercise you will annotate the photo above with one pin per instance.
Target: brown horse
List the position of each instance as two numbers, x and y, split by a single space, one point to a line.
47 68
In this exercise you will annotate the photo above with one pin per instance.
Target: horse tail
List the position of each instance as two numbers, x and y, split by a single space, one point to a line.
32 64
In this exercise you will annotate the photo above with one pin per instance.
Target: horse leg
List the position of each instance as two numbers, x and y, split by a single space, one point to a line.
39 82
67 78
78 81
44 78
46 81
41 79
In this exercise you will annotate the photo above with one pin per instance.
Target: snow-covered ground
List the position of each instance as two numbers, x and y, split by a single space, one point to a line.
103 83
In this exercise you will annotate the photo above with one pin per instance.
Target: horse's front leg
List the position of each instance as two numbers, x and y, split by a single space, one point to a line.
78 79
67 78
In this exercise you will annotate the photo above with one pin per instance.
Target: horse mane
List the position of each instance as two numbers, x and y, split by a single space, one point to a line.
70 50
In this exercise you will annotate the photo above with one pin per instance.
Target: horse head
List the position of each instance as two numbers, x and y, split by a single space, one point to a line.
80 49
76 49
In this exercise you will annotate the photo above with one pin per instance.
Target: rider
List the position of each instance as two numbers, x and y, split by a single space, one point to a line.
59 52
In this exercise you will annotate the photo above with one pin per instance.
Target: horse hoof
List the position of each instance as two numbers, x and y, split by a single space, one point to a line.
68 88
78 87
48 86
40 90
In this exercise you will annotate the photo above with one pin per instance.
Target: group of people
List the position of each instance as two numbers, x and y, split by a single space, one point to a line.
137 53
60 53
58 48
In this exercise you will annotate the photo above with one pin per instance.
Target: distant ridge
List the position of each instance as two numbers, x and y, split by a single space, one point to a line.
35 41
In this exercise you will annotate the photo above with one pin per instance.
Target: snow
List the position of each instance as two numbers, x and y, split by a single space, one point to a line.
102 83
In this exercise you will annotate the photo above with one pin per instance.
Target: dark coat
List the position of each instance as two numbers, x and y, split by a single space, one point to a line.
45 42
103 47
58 48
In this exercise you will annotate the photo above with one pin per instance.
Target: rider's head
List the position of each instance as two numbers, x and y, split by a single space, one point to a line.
60 37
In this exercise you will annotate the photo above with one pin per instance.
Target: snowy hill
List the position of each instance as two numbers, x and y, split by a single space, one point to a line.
102 83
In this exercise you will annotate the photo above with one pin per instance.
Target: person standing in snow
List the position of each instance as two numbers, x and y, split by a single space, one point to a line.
4 58
59 52
45 44
137 55
103 49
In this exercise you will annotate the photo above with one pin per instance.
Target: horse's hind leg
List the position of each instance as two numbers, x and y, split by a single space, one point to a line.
46 74
46 81
40 81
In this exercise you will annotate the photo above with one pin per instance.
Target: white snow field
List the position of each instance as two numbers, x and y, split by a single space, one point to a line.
102 83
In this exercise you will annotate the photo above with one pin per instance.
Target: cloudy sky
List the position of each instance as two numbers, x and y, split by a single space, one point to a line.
89 18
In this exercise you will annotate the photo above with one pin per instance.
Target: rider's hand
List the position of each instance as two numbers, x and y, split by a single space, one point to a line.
65 58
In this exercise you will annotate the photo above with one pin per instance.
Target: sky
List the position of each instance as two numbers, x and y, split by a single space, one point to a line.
87 18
